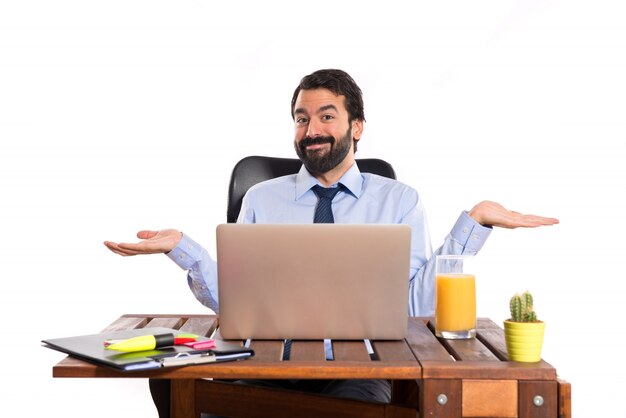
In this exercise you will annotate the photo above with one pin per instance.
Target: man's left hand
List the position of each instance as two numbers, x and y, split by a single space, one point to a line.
494 214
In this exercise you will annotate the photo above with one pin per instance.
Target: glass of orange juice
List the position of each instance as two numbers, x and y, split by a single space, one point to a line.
455 297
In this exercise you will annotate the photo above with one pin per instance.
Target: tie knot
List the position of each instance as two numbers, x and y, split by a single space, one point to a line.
326 192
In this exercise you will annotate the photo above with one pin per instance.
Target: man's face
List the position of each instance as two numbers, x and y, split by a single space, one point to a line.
323 135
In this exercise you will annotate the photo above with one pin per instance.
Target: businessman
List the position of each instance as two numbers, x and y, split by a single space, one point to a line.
328 116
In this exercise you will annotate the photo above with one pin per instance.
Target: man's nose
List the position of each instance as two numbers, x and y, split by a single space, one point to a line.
314 129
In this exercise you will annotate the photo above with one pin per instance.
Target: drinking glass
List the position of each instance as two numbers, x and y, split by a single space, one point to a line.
455 297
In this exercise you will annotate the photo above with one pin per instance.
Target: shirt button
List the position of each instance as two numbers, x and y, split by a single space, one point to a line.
465 230
474 237
182 257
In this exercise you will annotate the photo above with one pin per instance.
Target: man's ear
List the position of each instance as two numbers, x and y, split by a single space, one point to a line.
357 129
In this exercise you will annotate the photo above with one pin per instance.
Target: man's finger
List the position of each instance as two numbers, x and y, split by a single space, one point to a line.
146 234
117 250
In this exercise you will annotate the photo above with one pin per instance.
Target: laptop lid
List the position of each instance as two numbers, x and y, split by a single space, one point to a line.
313 281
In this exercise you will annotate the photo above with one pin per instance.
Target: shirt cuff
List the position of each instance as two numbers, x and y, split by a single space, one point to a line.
186 253
469 233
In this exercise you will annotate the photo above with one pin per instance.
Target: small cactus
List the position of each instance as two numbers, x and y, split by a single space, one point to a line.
522 308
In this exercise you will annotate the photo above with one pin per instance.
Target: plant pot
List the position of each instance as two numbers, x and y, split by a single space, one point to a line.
524 340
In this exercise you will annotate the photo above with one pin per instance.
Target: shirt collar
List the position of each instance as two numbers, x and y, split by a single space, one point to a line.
352 180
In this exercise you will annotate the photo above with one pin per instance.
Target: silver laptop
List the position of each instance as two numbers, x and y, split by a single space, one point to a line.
314 281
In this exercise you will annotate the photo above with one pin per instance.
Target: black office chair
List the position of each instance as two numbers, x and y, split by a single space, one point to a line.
255 169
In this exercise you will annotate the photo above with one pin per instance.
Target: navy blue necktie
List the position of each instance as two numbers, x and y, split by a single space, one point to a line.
323 215
323 210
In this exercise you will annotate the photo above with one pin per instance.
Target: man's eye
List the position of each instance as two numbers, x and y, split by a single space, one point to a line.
328 117
301 121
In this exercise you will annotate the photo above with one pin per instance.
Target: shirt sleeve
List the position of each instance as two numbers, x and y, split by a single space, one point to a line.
201 270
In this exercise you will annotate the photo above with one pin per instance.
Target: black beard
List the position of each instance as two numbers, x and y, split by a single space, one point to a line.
318 164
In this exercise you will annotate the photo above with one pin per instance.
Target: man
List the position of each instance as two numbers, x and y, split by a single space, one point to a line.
327 108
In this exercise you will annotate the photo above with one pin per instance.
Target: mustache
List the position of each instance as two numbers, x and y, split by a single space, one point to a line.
307 140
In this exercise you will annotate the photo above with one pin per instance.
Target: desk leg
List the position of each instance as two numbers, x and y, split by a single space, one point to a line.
405 392
183 401
538 399
565 399
440 398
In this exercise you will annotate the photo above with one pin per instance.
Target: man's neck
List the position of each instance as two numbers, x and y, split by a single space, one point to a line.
330 177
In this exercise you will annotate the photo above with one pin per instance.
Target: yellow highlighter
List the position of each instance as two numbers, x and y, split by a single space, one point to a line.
148 342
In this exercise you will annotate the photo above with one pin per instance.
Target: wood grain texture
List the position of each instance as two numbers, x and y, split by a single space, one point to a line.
528 390
182 398
423 343
432 389
489 398
307 351
475 375
227 399
565 398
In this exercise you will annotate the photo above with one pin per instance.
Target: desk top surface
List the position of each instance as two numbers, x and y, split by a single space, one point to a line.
420 355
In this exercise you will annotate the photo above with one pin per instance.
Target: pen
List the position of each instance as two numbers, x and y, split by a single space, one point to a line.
148 342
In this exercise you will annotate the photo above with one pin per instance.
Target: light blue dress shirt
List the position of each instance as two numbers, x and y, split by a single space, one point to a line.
367 198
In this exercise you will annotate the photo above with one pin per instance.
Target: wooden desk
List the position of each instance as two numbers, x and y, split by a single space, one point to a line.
440 378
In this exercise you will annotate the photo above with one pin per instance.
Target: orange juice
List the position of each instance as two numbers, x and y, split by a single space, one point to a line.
455 308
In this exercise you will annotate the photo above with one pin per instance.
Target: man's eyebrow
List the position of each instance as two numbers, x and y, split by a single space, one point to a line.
327 107
324 108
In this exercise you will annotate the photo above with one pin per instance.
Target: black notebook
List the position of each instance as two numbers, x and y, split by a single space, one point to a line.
91 348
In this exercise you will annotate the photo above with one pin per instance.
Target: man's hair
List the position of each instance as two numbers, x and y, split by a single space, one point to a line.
340 83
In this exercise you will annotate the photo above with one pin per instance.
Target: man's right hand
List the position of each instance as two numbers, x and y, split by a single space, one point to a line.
153 242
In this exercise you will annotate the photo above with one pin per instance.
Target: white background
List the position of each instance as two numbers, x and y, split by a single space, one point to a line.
122 115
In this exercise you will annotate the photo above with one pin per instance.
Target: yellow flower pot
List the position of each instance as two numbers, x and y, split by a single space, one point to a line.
524 340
